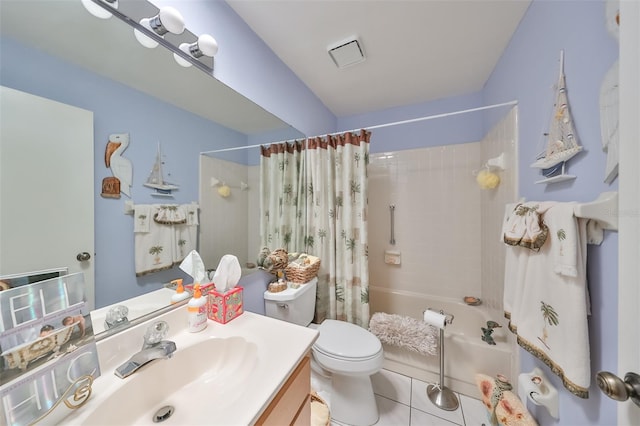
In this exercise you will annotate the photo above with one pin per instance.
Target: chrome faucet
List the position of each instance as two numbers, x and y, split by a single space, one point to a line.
116 316
153 348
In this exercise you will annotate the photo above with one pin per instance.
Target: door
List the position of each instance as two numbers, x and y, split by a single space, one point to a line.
629 204
46 186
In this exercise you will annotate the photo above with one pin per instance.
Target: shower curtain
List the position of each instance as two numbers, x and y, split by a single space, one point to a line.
282 201
332 210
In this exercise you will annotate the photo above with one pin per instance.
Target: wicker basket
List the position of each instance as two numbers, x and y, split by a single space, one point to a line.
320 415
299 271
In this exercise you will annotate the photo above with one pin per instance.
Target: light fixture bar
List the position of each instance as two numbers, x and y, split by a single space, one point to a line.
134 22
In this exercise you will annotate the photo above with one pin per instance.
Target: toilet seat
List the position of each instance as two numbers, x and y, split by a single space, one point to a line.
346 341
348 349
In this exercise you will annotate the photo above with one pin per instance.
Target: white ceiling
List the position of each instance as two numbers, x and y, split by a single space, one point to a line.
416 51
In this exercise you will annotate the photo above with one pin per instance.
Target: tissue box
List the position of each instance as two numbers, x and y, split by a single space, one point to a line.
223 307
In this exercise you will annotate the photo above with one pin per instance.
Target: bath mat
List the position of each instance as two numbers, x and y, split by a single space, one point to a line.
406 332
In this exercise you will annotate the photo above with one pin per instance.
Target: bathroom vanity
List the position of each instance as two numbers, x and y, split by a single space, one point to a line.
252 370
292 404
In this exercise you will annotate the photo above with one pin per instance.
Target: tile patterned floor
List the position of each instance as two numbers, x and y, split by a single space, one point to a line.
402 401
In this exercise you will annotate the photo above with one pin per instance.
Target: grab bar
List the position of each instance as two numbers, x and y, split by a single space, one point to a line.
392 208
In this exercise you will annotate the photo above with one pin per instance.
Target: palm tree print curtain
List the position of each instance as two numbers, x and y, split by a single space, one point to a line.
282 200
337 225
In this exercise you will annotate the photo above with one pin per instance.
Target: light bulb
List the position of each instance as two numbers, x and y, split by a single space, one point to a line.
205 45
167 20
171 20
143 39
98 11
179 59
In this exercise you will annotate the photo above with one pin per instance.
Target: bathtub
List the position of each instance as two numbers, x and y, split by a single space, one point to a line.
465 353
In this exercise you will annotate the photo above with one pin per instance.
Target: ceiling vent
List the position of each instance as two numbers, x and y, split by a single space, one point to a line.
347 52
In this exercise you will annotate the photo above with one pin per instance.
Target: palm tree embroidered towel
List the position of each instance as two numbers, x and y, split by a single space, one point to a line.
546 300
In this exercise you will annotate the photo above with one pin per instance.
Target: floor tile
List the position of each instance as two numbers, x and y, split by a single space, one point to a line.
474 412
420 418
392 413
420 401
392 385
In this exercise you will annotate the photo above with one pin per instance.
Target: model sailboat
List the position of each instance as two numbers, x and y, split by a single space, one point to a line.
561 141
156 178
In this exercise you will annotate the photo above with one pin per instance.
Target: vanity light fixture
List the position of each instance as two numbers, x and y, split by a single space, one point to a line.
98 11
206 45
168 20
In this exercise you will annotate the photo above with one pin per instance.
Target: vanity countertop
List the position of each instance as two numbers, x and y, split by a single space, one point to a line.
277 347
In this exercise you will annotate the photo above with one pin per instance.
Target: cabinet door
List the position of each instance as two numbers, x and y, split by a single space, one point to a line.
287 407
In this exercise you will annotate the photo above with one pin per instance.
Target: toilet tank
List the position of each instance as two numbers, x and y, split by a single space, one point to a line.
296 305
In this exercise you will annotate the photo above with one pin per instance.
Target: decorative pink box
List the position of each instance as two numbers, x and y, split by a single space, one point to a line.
223 307
204 288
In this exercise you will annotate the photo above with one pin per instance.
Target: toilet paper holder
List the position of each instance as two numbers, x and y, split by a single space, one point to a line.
536 388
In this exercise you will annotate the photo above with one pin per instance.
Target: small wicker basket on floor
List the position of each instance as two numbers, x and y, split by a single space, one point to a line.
320 415
302 272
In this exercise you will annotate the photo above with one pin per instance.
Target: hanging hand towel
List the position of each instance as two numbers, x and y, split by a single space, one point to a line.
141 215
154 249
190 211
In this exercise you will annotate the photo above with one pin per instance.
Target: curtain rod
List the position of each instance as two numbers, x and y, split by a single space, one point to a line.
379 126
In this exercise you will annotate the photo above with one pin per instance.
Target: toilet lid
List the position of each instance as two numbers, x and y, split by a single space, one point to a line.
346 340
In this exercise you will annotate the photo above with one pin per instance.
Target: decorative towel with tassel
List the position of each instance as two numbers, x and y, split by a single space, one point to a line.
163 235
407 332
546 299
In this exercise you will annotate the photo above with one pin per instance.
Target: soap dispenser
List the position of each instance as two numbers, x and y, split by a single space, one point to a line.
197 309
180 294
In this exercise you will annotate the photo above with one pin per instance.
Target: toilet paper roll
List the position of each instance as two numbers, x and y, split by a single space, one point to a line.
434 318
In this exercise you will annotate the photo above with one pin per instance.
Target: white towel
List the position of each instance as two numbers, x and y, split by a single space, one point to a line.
191 213
160 245
546 300
523 225
141 217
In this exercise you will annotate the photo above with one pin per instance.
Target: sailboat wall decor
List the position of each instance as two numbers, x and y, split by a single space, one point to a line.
156 178
561 141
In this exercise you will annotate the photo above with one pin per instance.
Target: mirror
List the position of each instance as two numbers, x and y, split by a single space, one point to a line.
59 51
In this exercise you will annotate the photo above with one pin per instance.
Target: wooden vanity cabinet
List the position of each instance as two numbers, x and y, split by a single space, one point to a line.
292 404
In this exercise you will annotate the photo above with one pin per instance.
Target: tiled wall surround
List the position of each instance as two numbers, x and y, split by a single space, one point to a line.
501 139
446 227
437 220
223 221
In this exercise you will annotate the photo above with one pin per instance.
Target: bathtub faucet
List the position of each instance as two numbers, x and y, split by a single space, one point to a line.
153 348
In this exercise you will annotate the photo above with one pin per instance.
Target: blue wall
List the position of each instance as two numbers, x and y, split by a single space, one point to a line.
526 72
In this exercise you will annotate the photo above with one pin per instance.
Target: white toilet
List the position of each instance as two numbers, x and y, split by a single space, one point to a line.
348 353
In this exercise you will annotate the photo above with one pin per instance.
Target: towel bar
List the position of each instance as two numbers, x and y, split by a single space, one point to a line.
603 209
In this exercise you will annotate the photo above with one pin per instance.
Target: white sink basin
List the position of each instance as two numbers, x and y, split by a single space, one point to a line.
211 373
226 374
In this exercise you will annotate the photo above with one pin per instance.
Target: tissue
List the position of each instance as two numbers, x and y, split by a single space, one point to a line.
227 273
194 266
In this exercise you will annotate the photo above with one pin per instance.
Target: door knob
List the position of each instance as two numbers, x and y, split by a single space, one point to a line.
615 388
83 257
